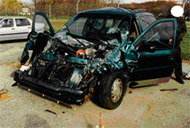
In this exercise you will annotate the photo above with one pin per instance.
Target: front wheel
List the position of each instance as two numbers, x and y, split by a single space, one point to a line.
112 89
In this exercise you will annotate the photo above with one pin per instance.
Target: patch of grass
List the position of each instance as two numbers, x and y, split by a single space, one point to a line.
58 23
185 45
187 23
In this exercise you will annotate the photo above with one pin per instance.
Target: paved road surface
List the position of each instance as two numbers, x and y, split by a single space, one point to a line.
145 107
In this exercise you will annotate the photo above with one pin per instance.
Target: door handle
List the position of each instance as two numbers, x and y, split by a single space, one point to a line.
12 28
29 27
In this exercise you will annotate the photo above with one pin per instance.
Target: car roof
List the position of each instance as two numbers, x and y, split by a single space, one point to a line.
144 13
119 11
109 10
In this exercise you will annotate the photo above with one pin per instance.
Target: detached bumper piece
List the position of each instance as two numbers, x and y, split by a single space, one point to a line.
64 94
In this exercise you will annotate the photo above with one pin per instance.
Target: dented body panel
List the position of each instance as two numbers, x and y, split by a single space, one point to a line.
71 63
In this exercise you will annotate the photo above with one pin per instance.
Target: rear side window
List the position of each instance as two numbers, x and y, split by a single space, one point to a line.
146 20
7 23
22 22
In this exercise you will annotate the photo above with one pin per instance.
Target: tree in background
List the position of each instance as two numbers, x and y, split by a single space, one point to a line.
153 7
187 11
11 7
68 7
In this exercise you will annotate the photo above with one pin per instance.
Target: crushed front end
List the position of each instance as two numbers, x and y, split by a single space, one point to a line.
68 73
70 64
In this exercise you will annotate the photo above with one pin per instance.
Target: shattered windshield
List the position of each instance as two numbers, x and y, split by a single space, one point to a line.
87 26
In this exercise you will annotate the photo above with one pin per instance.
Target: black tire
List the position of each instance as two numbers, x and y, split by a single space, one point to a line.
106 90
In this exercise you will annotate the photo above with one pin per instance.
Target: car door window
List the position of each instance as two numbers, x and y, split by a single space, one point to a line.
22 22
6 23
146 20
41 24
160 35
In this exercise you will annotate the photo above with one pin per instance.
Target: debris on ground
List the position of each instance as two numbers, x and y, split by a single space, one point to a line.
149 107
130 92
3 91
12 74
3 96
14 64
47 110
100 122
170 89
15 84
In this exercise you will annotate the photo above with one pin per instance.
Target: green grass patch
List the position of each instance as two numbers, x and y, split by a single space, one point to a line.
185 46
58 23
187 23
18 16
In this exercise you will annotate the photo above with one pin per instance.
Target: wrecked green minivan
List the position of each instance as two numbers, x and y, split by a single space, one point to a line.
98 53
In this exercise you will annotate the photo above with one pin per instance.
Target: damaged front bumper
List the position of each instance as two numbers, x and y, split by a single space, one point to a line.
68 95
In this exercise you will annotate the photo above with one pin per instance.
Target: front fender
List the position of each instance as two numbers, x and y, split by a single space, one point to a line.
131 56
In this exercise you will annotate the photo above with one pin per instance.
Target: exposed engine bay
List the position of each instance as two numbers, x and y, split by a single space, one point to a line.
66 66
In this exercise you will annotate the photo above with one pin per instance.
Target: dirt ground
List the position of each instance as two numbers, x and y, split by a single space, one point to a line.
144 107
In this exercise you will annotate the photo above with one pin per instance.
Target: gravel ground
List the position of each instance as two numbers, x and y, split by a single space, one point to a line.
145 107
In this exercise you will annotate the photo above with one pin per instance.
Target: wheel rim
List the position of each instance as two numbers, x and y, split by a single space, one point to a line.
116 90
